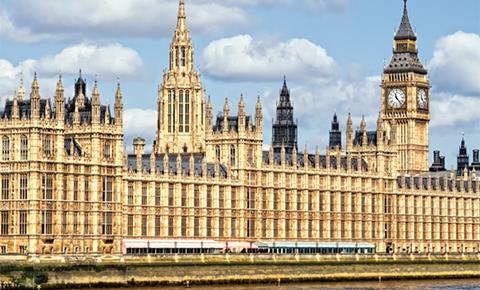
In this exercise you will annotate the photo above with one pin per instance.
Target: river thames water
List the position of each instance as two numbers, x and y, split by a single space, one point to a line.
412 285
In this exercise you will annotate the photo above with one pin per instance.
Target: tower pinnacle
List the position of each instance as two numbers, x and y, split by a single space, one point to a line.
405 30
181 20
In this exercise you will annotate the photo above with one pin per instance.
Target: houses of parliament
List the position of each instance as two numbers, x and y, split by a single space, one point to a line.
68 186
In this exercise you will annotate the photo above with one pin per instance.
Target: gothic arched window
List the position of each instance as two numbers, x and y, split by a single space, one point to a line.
232 155
24 148
187 111
5 148
181 110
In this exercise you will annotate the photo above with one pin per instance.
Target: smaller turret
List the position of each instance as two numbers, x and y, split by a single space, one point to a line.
59 101
363 129
139 149
335 140
95 104
35 98
462 158
226 112
258 115
21 94
118 106
349 133
241 114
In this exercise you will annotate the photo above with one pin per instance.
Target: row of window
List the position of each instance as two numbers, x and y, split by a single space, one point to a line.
46 223
183 111
47 188
47 147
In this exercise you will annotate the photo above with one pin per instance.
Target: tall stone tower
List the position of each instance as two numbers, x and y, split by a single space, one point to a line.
181 100
406 100
284 128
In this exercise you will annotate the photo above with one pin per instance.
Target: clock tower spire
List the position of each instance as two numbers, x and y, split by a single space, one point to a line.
406 99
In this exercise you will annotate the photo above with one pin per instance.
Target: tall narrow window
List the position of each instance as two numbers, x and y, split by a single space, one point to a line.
107 223
64 222
75 188
171 199
107 150
23 186
187 111
47 146
157 225
130 193
46 222
232 155
86 223
5 187
170 101
75 223
183 56
177 56
130 225
5 148
217 152
144 194
47 186
23 222
144 225
24 148
86 189
4 225
180 111
107 189
157 194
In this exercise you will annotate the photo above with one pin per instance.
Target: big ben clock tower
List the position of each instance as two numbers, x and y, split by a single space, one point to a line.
406 100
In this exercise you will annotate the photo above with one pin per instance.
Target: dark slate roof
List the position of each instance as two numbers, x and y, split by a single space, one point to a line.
85 112
311 160
232 123
405 30
405 62
24 108
172 164
371 138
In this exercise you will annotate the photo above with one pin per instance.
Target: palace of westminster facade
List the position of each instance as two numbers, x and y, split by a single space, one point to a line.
68 185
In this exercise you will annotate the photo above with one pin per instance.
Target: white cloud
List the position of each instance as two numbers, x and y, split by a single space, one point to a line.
455 66
108 61
130 18
242 58
315 103
33 21
9 30
139 123
455 112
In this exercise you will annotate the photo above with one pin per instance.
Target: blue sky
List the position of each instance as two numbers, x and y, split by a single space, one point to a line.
332 52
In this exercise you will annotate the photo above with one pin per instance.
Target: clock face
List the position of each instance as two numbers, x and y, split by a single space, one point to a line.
422 99
396 98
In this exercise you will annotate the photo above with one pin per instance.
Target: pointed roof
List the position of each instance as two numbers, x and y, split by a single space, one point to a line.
285 95
405 30
182 29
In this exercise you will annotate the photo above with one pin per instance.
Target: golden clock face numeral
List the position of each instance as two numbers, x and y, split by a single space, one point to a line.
422 99
396 98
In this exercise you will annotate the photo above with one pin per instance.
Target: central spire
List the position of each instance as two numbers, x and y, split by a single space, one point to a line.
181 19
